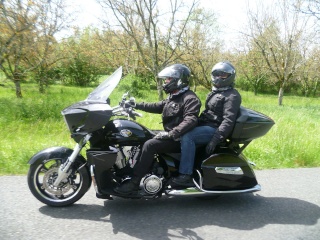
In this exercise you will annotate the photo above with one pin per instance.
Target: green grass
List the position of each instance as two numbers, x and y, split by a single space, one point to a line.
294 139
33 123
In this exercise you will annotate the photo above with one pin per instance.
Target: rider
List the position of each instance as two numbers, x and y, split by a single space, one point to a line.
179 115
215 122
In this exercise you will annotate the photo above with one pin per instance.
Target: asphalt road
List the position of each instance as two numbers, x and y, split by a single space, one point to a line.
288 207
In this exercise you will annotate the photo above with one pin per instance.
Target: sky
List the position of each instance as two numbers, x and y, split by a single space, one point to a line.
231 14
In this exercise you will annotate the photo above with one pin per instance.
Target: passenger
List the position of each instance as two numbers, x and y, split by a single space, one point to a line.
215 122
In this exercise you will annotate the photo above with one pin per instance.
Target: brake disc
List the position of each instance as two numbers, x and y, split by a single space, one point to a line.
49 177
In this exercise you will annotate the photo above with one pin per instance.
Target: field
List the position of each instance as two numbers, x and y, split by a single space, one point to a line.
34 122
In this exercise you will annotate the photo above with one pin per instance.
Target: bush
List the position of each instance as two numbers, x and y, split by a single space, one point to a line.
80 72
134 85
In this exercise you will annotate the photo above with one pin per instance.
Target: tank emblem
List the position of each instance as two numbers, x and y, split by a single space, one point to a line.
125 133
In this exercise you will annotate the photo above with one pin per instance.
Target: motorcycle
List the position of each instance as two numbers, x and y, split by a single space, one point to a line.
112 140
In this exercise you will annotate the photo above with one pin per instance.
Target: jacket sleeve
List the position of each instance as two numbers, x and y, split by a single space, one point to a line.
151 107
230 112
191 109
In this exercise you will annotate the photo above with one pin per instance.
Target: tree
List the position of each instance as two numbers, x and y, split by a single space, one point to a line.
16 19
115 48
311 7
252 66
308 79
155 31
26 38
201 46
41 51
279 34
80 62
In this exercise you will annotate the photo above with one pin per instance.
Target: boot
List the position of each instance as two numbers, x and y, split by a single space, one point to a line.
183 180
129 187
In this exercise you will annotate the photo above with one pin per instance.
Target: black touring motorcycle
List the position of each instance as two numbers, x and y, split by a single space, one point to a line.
59 176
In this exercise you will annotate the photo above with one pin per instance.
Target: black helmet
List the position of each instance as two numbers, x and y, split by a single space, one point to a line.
223 74
180 77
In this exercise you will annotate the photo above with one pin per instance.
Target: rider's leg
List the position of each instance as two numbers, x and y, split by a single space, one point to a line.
200 135
144 165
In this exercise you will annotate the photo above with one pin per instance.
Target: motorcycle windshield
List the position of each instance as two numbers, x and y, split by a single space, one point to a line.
103 91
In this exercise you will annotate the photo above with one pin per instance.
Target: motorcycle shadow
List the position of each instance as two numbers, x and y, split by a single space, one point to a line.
157 217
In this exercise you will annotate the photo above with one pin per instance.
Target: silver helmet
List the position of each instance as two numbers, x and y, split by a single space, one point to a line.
179 75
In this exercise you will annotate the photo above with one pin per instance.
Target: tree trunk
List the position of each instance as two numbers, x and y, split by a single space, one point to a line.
194 86
18 88
159 87
280 97
41 86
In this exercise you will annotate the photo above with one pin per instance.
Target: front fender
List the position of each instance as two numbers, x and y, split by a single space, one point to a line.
53 152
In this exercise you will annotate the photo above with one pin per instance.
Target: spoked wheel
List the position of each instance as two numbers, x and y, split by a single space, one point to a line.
42 175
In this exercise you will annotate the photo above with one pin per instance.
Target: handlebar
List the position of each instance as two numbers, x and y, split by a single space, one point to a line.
126 108
127 112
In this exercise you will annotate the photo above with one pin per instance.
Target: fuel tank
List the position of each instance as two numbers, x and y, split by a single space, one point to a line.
126 132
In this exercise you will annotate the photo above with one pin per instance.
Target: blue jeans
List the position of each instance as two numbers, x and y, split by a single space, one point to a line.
200 135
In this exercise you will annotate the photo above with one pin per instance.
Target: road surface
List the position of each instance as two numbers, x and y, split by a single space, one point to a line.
288 208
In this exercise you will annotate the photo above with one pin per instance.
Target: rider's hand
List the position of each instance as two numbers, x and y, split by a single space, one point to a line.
130 103
163 135
212 145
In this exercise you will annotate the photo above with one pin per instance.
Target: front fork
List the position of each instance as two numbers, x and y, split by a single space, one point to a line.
64 170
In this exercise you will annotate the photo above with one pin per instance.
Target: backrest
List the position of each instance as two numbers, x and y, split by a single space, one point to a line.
242 115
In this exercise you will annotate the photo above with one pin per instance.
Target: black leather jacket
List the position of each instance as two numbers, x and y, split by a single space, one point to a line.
179 112
221 111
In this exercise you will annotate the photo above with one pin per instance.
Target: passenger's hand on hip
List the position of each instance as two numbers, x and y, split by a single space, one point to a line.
210 147
213 143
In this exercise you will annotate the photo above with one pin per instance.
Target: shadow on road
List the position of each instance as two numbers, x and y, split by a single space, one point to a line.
145 218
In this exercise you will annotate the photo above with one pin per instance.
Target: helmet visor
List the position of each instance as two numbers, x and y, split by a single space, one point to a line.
220 74
169 72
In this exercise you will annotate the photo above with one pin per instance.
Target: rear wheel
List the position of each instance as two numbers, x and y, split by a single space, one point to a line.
42 175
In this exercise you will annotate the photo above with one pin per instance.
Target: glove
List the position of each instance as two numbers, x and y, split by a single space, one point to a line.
130 103
212 145
163 135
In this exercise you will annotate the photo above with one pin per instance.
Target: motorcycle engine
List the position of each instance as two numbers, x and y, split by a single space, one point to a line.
152 184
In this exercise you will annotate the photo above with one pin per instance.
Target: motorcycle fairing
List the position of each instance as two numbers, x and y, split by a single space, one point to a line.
86 116
102 162
94 112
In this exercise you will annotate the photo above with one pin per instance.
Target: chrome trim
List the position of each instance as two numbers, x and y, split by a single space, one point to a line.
198 190
200 181
229 170
94 179
64 169
252 163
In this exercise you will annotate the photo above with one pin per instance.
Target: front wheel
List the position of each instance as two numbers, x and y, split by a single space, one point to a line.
42 175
